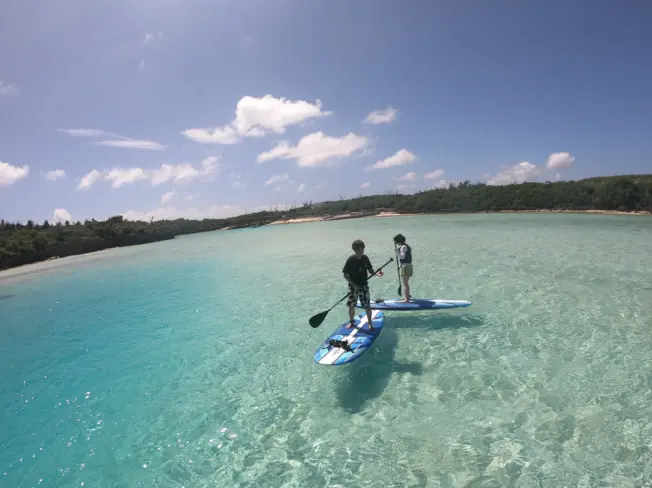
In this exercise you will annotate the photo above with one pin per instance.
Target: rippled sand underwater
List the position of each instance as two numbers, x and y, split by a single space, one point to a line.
189 362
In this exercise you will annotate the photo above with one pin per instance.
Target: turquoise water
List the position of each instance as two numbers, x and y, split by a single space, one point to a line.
188 363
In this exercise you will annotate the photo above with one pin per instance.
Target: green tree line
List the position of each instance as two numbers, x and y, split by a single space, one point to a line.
27 243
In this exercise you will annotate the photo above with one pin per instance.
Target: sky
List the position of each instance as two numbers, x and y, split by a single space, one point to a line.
211 108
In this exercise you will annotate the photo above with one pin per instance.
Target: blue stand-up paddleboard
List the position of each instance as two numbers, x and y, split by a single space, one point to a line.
416 304
346 345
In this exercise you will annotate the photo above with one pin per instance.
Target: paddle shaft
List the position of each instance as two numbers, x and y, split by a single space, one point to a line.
398 271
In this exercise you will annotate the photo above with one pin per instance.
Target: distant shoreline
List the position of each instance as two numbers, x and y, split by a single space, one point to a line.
346 216
54 263
303 220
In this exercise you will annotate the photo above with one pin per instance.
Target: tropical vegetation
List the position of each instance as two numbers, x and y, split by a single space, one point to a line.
31 242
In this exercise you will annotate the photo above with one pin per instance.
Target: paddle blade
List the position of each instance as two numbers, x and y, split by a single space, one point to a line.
399 290
316 320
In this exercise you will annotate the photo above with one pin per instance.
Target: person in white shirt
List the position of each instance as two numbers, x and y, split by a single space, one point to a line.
404 254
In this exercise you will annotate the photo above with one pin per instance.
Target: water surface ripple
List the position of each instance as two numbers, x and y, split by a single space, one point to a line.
188 363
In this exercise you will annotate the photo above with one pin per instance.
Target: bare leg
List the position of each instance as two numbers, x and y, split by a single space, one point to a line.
406 288
371 325
351 315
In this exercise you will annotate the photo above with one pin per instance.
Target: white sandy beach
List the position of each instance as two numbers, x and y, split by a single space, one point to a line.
302 220
297 221
396 214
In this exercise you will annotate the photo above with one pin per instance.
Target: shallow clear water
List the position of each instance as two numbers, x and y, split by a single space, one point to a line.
189 363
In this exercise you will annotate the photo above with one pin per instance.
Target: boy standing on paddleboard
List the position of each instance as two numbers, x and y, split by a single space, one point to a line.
404 254
355 272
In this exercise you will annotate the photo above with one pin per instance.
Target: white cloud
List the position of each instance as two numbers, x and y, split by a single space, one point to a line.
119 176
559 160
210 164
184 172
151 37
141 65
116 140
381 116
167 196
317 149
172 194
365 185
211 212
407 188
86 132
257 117
133 144
526 171
8 89
443 184
55 174
11 174
411 176
518 173
61 215
400 158
177 173
433 175
89 180
277 179
224 135
238 184
174 172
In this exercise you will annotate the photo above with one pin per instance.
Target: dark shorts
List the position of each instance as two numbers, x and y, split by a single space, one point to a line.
362 294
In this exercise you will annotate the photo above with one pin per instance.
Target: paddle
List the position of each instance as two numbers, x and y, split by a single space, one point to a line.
398 272
316 320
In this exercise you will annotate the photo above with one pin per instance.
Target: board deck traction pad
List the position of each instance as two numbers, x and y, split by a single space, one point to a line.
359 340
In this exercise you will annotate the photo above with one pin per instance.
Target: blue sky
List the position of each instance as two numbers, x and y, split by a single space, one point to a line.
205 108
